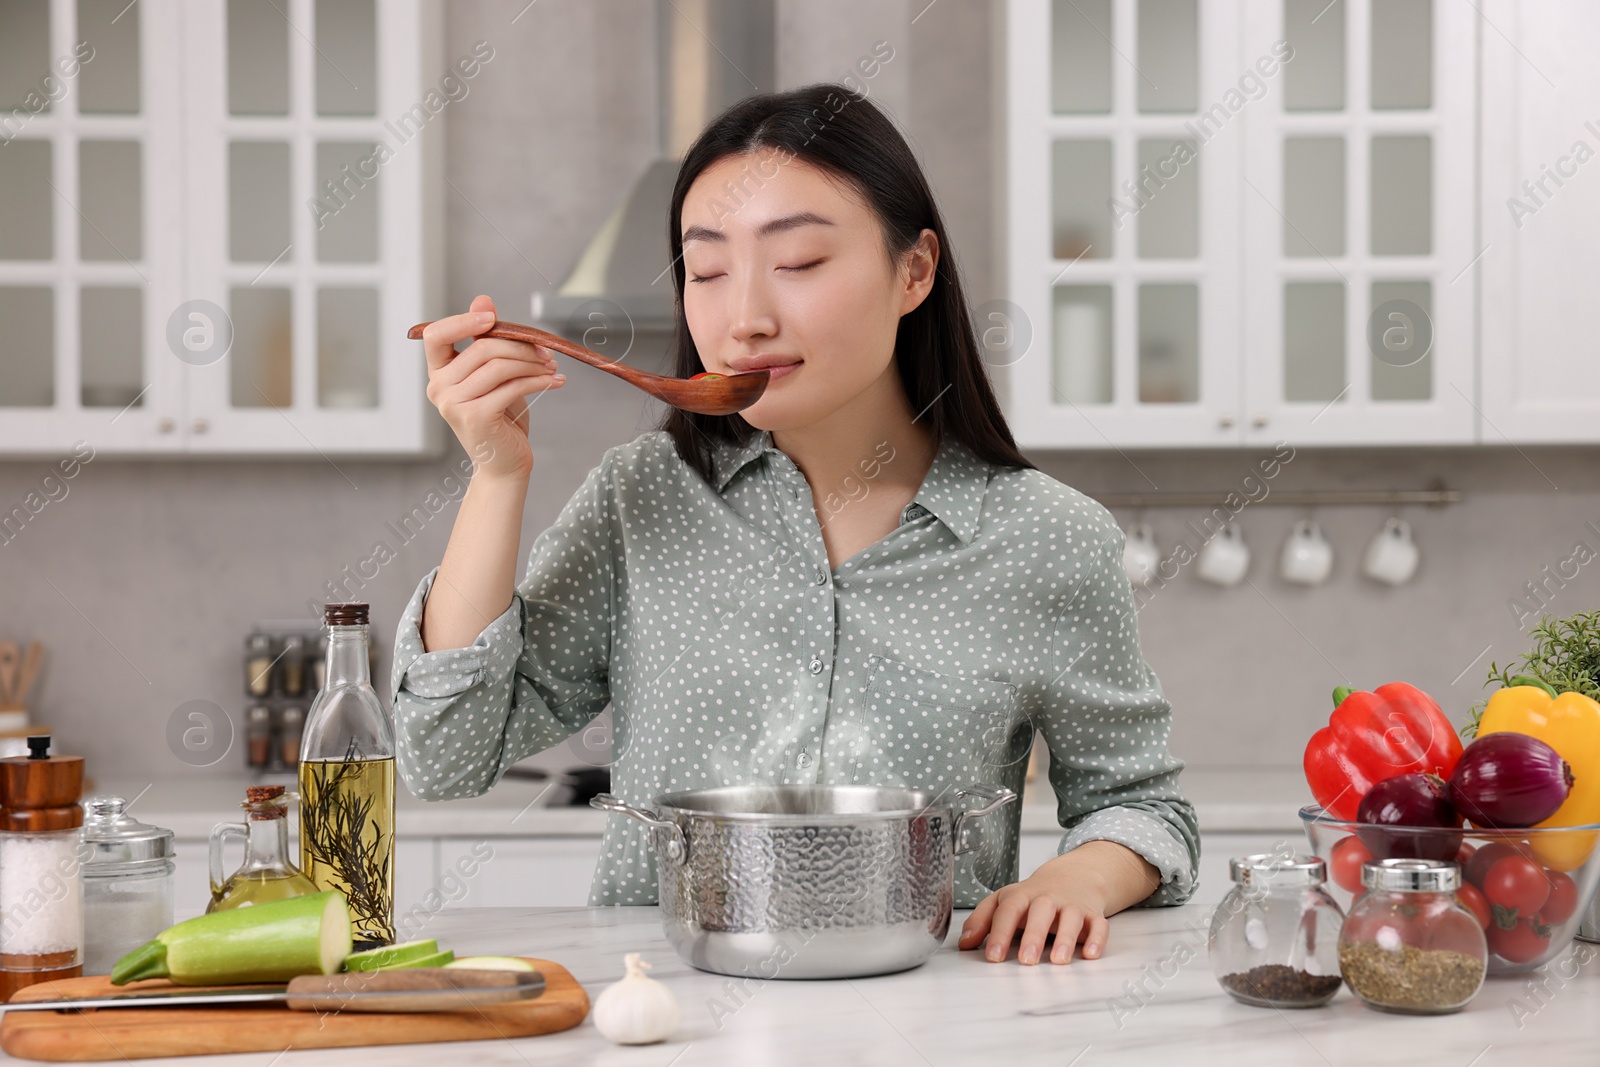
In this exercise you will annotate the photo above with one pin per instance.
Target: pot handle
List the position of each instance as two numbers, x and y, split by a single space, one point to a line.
676 848
997 796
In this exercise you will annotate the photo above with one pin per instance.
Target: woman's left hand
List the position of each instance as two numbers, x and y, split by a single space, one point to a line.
1070 896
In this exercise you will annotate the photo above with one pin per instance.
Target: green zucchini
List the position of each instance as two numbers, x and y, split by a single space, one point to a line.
374 959
270 942
438 959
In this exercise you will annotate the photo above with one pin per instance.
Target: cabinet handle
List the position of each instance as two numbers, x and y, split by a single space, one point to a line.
201 425
1226 422
166 425
1259 422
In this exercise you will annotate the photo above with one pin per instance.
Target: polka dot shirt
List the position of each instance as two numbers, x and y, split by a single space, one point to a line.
731 653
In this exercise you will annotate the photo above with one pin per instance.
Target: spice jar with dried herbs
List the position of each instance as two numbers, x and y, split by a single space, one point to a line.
1274 937
1408 946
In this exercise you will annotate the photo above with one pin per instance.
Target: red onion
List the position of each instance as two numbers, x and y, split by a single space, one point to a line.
1410 800
1509 781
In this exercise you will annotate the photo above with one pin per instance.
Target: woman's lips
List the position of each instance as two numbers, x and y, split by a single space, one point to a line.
786 369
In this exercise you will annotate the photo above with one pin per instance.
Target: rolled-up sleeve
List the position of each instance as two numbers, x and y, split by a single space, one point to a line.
1106 722
537 674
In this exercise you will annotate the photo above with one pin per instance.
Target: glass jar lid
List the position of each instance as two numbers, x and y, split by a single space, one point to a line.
114 839
1273 870
1412 875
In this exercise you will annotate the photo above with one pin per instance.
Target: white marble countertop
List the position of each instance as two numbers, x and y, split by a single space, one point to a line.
1226 800
958 1009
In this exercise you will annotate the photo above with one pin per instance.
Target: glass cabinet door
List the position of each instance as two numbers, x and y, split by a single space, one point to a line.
295 258
1137 294
215 232
86 244
1359 171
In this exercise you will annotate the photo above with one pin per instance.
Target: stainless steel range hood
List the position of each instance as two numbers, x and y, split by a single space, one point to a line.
712 53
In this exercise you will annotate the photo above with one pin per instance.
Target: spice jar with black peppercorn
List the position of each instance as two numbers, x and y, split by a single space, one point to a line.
1408 945
1274 937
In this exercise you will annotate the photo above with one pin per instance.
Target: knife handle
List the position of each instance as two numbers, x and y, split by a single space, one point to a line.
412 989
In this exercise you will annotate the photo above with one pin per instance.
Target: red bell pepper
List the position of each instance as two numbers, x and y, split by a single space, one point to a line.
1395 729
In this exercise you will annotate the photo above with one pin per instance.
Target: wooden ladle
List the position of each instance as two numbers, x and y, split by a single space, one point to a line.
708 396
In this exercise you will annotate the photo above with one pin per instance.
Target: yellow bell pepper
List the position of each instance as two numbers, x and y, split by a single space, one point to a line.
1570 724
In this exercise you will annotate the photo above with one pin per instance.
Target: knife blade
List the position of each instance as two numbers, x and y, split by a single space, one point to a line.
407 989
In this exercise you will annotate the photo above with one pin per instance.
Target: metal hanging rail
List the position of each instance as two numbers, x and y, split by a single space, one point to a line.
1438 496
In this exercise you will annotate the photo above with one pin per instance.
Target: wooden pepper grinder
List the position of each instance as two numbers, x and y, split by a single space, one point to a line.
41 884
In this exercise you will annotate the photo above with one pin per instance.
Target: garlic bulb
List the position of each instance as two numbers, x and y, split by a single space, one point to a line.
637 1010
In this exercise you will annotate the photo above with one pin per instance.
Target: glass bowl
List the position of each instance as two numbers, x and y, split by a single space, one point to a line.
1517 942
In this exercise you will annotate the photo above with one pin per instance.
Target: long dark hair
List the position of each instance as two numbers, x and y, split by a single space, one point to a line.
936 348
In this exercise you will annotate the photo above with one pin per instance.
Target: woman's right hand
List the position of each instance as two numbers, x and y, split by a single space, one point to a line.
482 390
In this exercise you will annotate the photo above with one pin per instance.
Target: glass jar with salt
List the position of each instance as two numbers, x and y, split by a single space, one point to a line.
127 882
41 880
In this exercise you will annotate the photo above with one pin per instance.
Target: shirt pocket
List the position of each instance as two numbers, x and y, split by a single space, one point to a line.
924 729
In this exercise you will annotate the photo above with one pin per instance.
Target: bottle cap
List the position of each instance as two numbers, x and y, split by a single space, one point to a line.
1270 870
265 802
1412 875
345 614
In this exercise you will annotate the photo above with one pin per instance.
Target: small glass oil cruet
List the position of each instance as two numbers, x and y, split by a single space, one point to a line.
266 873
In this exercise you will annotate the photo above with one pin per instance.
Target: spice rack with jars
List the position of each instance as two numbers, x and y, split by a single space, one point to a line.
283 670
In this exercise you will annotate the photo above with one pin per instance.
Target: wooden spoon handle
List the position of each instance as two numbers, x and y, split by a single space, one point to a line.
29 673
516 331
10 658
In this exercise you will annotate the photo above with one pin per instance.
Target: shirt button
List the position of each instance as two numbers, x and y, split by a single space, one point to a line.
816 664
803 760
822 575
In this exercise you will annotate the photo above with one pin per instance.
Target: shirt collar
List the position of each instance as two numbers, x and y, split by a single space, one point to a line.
953 489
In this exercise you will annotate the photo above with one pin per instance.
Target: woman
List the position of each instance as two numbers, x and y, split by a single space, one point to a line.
856 579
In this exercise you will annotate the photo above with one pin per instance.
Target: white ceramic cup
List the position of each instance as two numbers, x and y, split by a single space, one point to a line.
1392 556
1140 556
1307 555
1225 558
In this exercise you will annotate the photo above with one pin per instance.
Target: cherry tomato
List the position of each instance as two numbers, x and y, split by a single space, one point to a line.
1477 867
1349 853
1521 943
1464 856
1471 898
706 374
1517 882
1563 899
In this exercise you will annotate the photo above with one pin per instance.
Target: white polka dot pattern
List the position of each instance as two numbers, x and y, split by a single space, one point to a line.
732 654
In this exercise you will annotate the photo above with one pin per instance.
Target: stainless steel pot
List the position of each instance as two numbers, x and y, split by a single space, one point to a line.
799 881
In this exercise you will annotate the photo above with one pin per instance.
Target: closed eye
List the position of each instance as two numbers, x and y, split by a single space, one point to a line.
806 266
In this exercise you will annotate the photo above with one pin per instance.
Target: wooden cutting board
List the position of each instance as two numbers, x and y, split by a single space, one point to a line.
139 1033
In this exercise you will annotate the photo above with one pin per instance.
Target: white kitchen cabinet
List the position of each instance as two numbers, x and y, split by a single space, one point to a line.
521 872
1237 223
1357 213
221 221
1123 245
1540 217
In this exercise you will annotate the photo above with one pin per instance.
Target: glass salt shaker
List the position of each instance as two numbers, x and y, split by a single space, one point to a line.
41 882
1274 937
127 882
1408 945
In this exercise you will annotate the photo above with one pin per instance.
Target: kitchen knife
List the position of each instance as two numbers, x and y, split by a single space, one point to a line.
406 989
